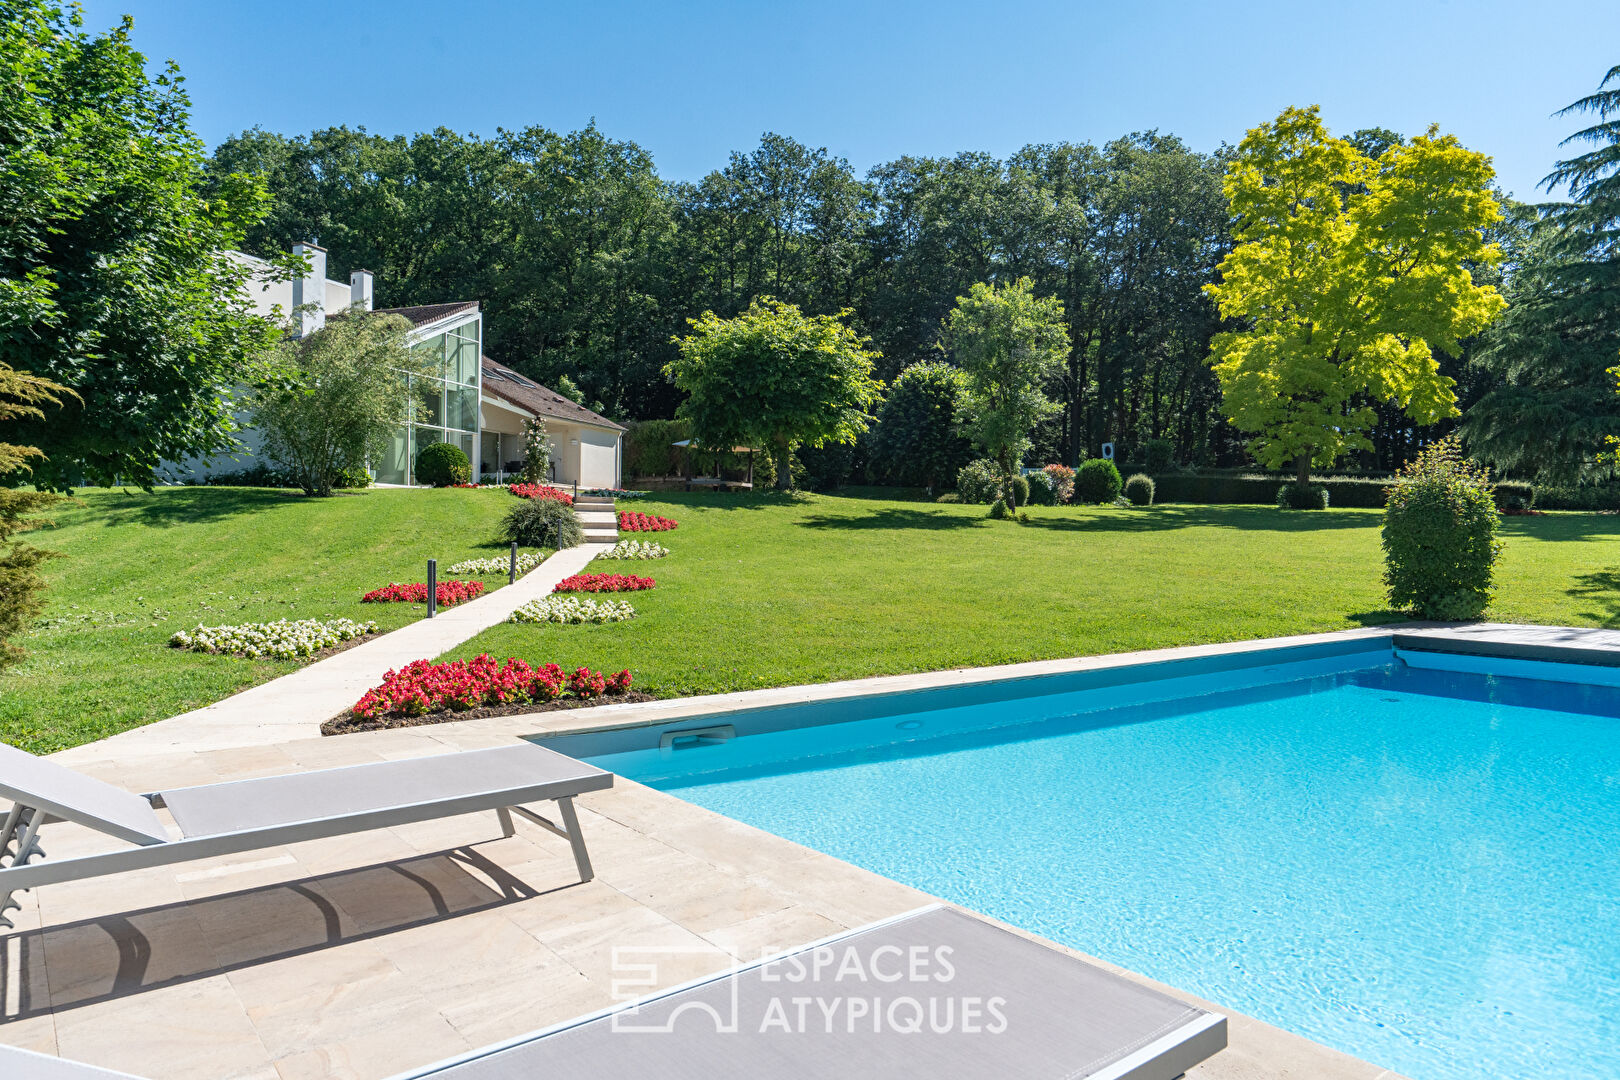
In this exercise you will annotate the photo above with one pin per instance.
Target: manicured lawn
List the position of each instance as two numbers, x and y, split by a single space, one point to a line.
138 567
761 591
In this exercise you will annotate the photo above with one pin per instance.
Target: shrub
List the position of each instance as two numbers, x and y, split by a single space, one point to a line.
978 481
650 450
1020 487
421 687
1440 545
1097 481
1139 489
442 465
542 523
1040 489
572 610
540 491
447 592
999 510
631 521
536 451
1513 496
1296 496
1158 454
916 441
281 639
1062 480
949 497
604 583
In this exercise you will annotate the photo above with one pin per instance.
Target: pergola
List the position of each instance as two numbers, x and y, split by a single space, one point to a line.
691 450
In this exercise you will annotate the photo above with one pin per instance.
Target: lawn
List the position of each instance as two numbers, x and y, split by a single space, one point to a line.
138 567
759 590
766 591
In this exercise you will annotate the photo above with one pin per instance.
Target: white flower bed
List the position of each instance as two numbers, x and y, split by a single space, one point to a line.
527 560
281 640
635 549
572 609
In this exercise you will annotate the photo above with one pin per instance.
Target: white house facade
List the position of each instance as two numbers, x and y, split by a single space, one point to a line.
471 401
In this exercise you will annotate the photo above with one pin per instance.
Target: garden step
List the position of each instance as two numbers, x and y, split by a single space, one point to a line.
596 517
594 502
601 536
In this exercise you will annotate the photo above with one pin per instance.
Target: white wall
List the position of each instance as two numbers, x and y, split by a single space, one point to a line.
598 458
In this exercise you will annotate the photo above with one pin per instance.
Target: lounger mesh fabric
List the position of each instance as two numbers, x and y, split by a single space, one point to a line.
1065 1019
524 773
16 1064
78 798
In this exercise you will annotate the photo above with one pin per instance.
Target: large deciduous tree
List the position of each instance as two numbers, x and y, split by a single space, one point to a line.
775 377
1350 272
1551 410
348 394
114 276
1010 343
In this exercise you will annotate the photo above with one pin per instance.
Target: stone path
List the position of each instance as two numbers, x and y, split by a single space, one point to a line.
295 705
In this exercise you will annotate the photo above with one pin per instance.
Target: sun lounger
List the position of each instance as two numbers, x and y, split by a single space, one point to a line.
247 815
991 1005
18 1064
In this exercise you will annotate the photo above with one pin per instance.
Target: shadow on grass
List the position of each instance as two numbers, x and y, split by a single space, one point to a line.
190 506
1382 617
1563 526
890 518
719 500
1602 590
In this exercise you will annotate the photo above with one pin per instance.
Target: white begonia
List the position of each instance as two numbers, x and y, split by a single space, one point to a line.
281 639
572 610
526 561
635 549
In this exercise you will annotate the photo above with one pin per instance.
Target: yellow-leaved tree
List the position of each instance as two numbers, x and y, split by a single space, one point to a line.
1349 274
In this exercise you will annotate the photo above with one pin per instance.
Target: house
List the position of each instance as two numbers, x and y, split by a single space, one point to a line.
474 402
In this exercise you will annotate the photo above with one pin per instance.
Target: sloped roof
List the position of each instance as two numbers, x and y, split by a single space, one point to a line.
502 382
423 314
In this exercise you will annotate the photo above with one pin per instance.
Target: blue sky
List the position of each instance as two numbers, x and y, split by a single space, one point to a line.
691 82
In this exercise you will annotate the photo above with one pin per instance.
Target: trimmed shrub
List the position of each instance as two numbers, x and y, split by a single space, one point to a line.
442 465
649 448
979 481
1512 496
1440 545
1041 489
1139 489
542 523
916 442
1020 488
999 511
1097 482
1298 496
1158 454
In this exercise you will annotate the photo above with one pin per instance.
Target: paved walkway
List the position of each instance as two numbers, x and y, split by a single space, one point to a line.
295 705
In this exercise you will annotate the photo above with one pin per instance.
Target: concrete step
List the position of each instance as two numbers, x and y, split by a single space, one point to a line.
597 517
601 536
594 502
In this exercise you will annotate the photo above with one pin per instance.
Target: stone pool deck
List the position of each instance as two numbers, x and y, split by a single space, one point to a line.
364 956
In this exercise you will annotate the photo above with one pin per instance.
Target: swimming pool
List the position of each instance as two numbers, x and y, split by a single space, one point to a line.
1414 864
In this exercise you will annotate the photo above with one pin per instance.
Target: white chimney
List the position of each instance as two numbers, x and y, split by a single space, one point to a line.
310 288
360 289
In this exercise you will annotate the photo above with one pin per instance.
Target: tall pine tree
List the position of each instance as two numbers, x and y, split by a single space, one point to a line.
1554 408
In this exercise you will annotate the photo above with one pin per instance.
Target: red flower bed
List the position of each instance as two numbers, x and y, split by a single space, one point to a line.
541 491
604 583
630 521
421 687
449 592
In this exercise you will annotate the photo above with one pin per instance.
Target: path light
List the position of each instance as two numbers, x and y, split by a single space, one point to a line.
511 570
433 587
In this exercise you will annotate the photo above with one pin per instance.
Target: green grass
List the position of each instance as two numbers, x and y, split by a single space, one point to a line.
763 591
758 591
138 567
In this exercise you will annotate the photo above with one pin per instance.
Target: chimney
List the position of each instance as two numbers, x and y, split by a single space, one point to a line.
360 289
310 288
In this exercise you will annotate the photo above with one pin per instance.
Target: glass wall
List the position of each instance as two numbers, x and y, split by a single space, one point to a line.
448 402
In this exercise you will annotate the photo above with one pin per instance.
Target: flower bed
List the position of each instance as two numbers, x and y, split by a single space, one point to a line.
526 561
281 640
572 610
604 583
632 521
448 592
541 491
635 549
422 687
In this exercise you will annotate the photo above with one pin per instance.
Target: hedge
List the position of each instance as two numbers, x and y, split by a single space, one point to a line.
1260 490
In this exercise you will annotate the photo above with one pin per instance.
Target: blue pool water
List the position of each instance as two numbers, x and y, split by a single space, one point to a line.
1418 867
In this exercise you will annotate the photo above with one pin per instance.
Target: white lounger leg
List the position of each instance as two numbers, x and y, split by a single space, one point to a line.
569 829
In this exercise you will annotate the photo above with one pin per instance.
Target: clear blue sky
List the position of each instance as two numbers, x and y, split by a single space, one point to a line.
693 81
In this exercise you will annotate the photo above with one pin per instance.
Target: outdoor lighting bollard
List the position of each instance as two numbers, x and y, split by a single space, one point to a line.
511 570
433 587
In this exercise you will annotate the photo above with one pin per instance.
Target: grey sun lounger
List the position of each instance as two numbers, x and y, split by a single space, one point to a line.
19 1064
247 815
1060 1018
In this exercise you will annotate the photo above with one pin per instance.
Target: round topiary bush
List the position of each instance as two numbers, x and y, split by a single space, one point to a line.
442 465
1440 545
979 482
542 523
1139 489
1097 481
1302 497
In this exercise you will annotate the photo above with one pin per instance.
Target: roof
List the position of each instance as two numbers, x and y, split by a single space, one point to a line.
423 314
502 382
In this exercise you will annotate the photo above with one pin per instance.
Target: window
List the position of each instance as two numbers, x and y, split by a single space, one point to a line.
449 402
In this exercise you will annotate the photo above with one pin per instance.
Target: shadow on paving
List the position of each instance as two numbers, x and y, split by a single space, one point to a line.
125 953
